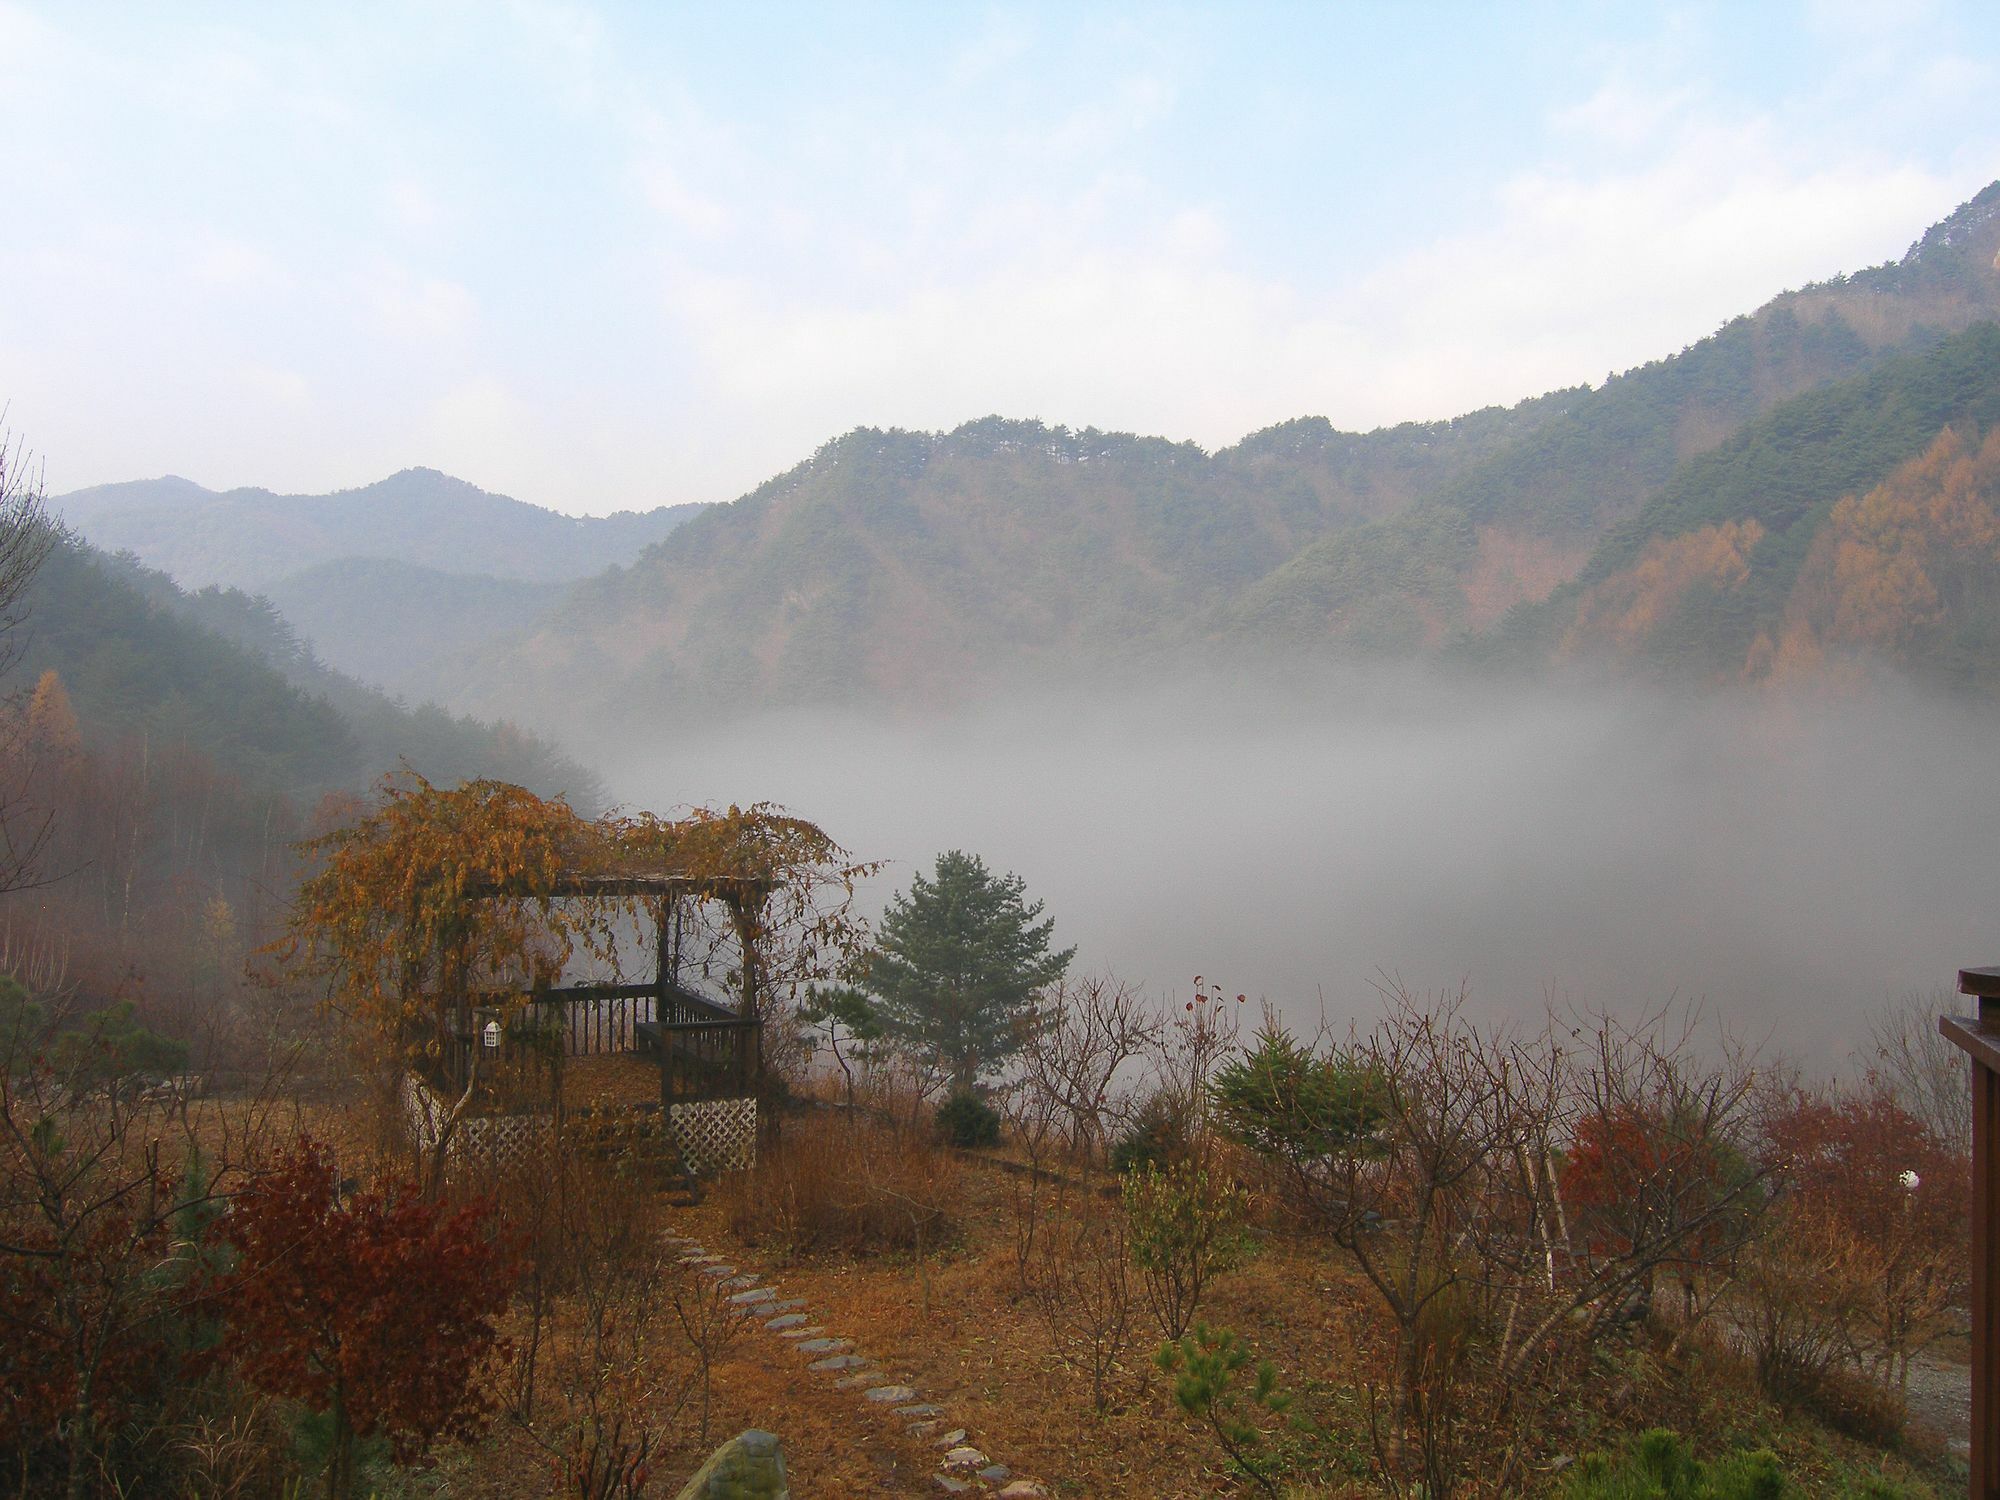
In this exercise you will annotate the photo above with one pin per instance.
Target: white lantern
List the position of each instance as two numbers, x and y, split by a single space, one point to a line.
492 1033
1910 1180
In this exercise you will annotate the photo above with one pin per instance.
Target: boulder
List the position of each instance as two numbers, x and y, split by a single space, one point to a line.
750 1466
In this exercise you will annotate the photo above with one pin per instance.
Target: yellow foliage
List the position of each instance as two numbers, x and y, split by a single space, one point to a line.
1871 580
1624 609
436 895
52 725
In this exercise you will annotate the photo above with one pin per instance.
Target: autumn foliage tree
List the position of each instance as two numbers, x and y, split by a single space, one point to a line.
378 1307
1874 1179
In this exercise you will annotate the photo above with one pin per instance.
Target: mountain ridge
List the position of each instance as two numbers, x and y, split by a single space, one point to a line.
250 537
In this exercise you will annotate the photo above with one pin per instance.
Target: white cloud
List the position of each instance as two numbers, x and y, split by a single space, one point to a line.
1571 273
408 305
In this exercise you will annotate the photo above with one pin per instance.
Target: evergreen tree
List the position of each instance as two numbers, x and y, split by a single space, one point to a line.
959 961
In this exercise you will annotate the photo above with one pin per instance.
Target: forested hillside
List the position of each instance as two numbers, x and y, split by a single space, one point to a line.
1855 521
1523 522
401 626
389 582
931 567
220 673
925 566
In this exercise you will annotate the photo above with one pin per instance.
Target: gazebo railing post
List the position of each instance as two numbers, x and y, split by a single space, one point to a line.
1979 1037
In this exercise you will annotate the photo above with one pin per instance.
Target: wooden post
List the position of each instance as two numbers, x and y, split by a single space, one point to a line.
659 1003
1979 1037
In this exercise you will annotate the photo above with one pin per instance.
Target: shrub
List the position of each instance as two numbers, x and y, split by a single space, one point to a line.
966 1120
1157 1136
1184 1228
1853 1404
379 1308
850 1187
1658 1465
1204 1365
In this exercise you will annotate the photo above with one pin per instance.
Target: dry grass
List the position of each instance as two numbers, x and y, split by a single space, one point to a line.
850 1186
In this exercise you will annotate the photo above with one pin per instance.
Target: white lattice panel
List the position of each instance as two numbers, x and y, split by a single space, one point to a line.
716 1135
502 1140
498 1139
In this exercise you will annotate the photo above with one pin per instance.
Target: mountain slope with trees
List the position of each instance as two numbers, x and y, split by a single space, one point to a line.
220 672
419 557
1527 519
933 567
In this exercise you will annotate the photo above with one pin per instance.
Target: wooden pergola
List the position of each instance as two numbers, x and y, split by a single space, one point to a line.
706 1050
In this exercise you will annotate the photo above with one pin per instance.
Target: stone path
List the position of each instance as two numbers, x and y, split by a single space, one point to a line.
962 1468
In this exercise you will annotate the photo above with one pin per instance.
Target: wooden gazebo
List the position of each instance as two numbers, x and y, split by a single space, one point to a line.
710 1053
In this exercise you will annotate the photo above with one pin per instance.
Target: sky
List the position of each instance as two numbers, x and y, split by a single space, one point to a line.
616 256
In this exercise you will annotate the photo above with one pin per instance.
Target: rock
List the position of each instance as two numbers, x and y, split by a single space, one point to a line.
750 1466
921 1429
838 1362
717 1270
949 1485
1023 1489
824 1346
952 1439
801 1333
966 1458
786 1320
745 1281
790 1304
891 1395
752 1298
921 1409
860 1377
995 1473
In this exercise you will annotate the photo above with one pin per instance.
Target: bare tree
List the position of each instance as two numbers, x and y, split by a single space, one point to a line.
1084 1291
1910 1060
1081 1035
26 537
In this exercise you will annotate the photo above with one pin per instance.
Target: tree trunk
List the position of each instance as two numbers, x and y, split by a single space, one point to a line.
82 1419
340 1461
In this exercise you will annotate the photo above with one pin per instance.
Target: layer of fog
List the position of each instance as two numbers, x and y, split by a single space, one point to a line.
1789 863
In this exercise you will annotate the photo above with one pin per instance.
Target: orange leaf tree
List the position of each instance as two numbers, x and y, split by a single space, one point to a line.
435 895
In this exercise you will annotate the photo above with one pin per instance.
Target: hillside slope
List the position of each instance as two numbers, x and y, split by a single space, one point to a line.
924 566
1526 520
928 567
401 626
219 672
1843 522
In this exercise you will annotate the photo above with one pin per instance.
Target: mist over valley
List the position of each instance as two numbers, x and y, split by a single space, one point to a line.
1789 860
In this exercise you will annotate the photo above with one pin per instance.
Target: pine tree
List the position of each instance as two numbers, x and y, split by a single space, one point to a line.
957 966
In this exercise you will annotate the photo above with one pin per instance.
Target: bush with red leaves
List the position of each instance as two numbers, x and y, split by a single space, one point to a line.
378 1307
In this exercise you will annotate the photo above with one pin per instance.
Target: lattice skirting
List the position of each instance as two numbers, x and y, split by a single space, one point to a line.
715 1135
498 1140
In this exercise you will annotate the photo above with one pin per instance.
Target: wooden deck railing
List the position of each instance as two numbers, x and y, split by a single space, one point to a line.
1979 1036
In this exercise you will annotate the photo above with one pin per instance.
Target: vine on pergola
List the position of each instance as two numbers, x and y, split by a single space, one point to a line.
438 895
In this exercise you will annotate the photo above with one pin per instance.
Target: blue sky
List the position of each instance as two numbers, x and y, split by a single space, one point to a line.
602 257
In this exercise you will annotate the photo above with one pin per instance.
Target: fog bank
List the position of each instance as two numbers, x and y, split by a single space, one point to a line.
1791 862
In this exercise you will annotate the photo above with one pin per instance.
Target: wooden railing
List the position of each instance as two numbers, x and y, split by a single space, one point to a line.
1979 1036
705 1050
